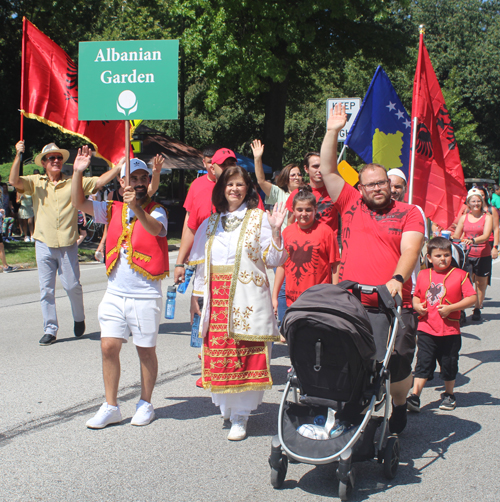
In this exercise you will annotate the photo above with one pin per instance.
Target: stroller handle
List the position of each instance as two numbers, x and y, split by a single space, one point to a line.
386 300
368 289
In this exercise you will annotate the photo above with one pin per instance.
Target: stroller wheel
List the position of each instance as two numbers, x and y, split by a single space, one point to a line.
345 489
391 457
278 475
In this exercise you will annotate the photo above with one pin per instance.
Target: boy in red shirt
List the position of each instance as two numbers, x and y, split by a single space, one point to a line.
442 292
312 249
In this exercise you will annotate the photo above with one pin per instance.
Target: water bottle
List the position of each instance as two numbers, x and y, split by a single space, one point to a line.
99 257
195 340
187 277
170 305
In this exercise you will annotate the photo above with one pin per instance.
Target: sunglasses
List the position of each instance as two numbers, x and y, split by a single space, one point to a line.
54 157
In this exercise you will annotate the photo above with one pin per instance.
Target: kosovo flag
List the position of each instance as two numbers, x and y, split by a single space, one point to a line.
381 132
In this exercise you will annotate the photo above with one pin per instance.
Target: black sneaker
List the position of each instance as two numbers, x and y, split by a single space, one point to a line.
79 328
397 422
47 339
413 403
449 403
476 315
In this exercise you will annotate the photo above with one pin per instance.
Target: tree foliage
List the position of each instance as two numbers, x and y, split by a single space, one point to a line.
265 69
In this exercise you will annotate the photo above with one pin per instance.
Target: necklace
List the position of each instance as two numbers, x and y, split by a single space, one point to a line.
230 222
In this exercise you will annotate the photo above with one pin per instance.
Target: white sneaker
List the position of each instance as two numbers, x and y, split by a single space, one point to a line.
144 413
227 414
238 428
26 239
32 239
106 415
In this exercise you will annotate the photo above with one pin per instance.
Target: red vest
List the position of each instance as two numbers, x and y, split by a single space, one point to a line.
147 254
452 284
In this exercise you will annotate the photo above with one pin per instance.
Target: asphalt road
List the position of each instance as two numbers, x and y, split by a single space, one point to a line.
48 393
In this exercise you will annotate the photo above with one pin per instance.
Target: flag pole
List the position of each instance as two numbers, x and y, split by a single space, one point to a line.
415 119
23 50
21 132
127 153
341 154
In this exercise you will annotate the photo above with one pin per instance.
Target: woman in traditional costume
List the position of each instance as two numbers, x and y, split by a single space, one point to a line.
232 249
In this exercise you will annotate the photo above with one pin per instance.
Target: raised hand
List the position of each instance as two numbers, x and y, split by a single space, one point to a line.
82 160
257 148
157 163
337 119
276 219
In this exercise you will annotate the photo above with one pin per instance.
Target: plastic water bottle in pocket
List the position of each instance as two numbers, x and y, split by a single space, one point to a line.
196 341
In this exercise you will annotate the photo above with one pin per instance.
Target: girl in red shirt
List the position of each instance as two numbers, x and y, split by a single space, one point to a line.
312 249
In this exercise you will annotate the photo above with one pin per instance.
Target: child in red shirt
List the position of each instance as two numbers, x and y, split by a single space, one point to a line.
312 249
442 292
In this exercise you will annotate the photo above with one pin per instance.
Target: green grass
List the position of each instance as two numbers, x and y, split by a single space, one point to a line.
5 170
23 253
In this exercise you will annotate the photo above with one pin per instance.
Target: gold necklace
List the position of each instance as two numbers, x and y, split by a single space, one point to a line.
230 222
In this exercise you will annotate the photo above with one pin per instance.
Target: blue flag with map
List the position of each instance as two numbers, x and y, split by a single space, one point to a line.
381 132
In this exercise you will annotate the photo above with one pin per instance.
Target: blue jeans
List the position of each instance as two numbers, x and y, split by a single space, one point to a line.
281 302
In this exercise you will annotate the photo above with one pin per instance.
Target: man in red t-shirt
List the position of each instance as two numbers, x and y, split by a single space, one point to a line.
381 243
326 212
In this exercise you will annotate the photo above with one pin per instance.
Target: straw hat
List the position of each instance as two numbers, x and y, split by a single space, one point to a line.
47 150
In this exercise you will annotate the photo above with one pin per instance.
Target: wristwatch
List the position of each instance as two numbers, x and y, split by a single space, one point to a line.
496 247
399 278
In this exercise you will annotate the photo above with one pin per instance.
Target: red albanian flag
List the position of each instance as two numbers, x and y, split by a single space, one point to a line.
438 178
49 93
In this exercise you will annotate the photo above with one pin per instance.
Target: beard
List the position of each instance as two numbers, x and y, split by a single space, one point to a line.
141 191
378 204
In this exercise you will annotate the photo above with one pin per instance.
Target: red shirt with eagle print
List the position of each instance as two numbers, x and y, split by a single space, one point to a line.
435 290
312 252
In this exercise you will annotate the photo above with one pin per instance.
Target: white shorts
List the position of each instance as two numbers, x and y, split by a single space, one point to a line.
120 315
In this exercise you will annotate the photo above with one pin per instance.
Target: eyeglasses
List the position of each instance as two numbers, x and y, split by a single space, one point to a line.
372 186
295 175
54 157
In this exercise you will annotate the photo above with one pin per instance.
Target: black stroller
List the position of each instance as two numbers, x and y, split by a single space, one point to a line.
335 385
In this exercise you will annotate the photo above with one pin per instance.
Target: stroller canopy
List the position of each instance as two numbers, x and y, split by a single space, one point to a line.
333 306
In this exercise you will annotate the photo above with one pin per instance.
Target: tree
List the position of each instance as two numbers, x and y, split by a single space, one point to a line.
259 48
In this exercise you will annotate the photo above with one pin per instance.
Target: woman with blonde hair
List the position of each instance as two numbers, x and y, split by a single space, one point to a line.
474 230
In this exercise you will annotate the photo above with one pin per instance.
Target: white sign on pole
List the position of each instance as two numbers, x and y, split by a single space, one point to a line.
352 106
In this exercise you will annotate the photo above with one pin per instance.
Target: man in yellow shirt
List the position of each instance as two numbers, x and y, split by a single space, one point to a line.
56 231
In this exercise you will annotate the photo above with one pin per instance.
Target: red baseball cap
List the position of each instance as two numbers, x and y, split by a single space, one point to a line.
221 155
